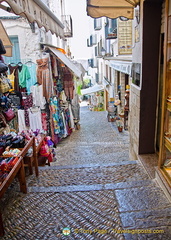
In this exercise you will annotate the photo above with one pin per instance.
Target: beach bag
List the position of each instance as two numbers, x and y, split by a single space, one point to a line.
4 85
9 114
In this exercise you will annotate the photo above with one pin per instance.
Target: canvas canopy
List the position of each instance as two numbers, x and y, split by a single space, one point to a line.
65 60
35 11
93 89
111 8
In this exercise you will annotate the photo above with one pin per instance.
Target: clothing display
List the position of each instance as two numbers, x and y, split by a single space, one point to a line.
75 106
27 102
35 119
68 84
21 120
33 76
38 98
13 76
71 117
44 77
24 75
49 101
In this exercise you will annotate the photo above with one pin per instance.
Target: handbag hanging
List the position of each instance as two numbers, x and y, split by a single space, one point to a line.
2 48
3 67
4 85
9 114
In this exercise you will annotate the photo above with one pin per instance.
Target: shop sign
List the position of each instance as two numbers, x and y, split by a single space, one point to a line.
121 67
124 37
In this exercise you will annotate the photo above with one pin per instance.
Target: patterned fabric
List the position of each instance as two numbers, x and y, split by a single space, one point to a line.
44 77
57 118
44 121
68 84
27 102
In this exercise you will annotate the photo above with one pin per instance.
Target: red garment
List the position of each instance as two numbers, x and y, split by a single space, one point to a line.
68 84
44 121
44 77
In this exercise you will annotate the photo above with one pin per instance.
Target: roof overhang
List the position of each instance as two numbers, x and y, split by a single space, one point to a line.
111 8
6 41
36 11
66 61
121 66
93 89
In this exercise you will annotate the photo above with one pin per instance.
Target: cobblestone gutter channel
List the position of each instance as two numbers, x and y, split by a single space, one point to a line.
93 188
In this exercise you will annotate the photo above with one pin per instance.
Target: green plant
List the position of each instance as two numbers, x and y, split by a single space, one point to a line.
119 123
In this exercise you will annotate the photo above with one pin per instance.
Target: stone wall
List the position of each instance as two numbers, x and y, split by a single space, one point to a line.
134 118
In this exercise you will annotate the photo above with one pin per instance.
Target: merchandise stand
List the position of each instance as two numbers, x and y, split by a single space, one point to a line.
18 169
32 160
163 172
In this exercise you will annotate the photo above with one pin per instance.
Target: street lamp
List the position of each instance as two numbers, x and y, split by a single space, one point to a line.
103 52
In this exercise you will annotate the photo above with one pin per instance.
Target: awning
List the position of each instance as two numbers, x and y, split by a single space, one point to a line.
65 60
121 66
111 8
36 11
93 89
6 41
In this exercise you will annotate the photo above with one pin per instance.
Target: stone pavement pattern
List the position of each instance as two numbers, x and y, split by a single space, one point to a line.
93 188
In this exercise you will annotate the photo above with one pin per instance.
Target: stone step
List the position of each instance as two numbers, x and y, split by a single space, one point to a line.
94 187
91 165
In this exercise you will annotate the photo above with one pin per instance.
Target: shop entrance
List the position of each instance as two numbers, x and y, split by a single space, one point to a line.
158 130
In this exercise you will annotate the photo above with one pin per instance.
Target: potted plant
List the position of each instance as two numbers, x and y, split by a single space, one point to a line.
120 125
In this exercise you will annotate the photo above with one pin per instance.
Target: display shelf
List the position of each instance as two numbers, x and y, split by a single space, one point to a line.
167 171
18 169
168 143
31 160
28 160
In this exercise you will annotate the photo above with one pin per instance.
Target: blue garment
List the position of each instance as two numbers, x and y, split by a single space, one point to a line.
33 77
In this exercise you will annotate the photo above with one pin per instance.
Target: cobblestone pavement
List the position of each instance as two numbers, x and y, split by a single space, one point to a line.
93 188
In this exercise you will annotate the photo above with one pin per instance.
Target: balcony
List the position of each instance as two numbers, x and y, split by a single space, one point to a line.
92 62
67 22
97 23
92 40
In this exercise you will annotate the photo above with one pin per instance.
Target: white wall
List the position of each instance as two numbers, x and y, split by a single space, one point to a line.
28 41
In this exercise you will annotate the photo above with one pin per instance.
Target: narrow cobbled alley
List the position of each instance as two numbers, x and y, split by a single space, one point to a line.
93 191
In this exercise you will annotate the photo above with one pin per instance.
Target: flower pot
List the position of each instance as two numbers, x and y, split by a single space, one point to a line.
120 129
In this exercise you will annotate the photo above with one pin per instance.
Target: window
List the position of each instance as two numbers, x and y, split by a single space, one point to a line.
136 70
15 51
97 23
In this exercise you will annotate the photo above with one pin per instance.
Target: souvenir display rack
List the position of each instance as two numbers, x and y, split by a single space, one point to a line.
164 166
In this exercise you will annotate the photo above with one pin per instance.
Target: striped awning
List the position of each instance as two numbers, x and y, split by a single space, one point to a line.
66 61
35 11
111 8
